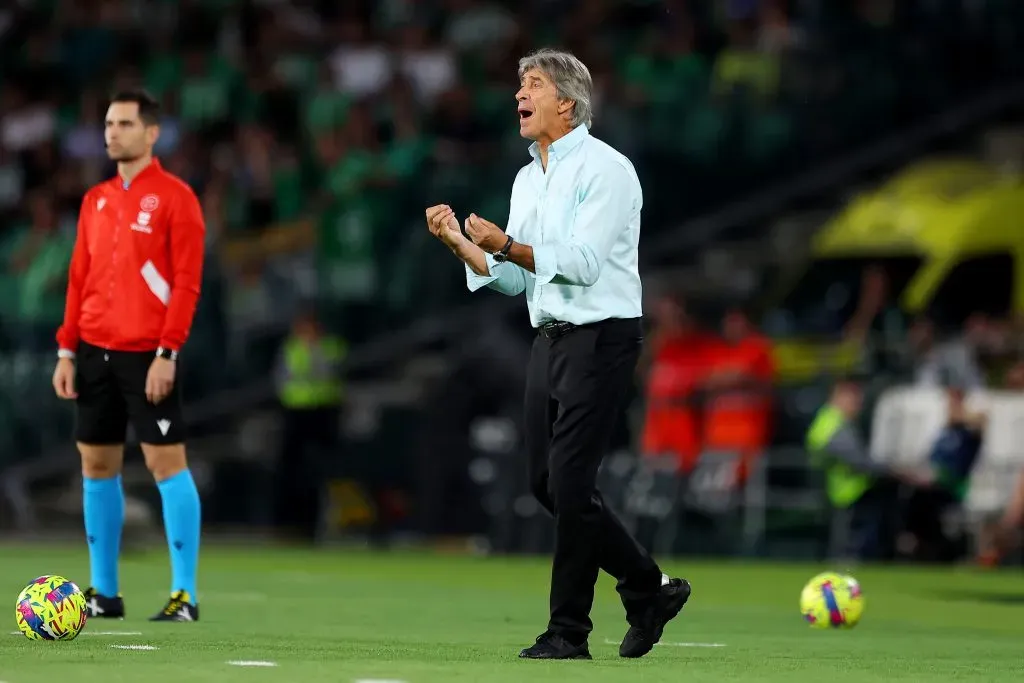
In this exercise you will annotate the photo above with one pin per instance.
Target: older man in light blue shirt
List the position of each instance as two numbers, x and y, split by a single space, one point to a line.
582 216
571 246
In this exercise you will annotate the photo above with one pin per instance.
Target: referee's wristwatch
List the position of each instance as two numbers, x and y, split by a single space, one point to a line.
501 255
168 354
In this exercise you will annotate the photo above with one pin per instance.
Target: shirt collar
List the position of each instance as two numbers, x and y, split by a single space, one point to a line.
563 145
153 166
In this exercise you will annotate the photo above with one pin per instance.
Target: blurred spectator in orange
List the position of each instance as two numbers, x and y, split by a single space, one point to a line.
738 406
679 354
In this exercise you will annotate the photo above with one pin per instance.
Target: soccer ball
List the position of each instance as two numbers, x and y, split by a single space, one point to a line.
832 600
51 608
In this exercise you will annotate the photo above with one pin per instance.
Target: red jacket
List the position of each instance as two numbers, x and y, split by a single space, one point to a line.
137 265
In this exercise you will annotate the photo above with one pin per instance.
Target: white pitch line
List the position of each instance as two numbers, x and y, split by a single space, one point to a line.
134 647
615 642
693 644
250 662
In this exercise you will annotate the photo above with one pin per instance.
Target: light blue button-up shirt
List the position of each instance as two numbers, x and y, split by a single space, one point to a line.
582 218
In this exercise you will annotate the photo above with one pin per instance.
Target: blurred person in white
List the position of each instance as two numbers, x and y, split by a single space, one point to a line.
430 67
361 65
576 209
478 24
934 362
25 123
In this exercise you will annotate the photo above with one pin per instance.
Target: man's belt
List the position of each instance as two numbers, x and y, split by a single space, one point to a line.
555 329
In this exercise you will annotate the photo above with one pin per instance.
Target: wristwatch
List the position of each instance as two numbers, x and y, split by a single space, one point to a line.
169 354
501 255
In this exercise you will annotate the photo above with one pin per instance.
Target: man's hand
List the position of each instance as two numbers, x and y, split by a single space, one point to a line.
485 234
443 225
160 379
918 477
64 379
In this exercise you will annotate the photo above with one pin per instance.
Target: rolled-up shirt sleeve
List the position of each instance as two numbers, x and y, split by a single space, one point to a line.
602 214
507 278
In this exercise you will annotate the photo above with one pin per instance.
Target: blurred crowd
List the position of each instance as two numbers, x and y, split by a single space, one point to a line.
983 347
315 131
330 124
707 391
712 387
714 404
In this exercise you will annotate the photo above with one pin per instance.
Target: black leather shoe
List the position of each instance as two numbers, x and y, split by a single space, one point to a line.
553 646
645 629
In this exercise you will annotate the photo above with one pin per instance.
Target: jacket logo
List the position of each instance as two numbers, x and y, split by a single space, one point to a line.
101 203
149 203
141 223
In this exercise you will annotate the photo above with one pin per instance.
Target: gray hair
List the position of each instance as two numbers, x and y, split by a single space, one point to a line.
571 78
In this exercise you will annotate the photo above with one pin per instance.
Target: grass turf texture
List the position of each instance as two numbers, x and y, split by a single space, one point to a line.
420 618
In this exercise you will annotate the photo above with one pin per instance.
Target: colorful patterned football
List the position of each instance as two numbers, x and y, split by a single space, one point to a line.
51 608
832 600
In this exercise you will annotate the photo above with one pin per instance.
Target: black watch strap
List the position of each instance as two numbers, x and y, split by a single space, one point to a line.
501 255
169 354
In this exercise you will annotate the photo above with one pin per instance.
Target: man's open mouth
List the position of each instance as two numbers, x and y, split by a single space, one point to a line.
525 114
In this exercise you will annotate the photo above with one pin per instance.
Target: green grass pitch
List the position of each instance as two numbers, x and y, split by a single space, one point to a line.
422 618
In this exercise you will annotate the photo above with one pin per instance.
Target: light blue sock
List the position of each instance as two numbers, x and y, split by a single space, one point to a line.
103 506
182 522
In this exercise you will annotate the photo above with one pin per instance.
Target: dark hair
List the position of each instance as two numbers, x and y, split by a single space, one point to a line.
149 108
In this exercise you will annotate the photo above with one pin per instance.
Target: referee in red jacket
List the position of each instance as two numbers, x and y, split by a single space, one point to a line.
133 286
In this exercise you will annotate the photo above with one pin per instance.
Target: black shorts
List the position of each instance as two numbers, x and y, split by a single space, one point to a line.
111 389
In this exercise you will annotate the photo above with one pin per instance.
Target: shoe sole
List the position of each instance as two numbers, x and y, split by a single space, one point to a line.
671 612
586 656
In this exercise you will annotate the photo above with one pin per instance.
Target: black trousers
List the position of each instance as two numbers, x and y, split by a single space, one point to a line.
873 520
310 441
577 386
924 512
